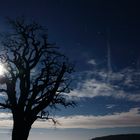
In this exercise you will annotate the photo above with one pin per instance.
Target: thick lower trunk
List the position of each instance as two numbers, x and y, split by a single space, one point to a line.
20 130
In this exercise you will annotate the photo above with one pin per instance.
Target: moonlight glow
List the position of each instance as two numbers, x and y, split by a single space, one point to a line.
2 69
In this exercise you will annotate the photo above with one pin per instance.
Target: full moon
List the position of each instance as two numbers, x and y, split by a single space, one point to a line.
2 69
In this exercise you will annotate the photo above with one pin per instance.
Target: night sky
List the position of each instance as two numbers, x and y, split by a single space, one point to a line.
102 39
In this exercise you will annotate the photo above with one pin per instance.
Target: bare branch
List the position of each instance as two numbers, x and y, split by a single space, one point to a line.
5 106
37 74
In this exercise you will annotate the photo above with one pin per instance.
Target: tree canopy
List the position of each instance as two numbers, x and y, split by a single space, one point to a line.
37 75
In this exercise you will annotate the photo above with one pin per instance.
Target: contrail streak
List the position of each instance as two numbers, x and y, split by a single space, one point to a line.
109 66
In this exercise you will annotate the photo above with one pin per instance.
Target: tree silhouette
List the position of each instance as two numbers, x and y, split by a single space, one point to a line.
37 76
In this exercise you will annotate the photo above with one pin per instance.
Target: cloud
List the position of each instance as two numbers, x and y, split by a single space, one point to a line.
124 119
6 123
5 120
110 106
92 62
5 116
94 88
121 85
91 88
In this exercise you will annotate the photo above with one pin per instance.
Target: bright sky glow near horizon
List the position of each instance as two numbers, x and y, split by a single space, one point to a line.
102 38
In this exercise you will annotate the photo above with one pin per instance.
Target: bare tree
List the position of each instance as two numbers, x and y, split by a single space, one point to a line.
37 76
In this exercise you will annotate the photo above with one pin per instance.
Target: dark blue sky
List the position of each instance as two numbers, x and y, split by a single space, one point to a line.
81 28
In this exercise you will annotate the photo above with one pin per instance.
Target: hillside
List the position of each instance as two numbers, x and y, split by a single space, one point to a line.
119 137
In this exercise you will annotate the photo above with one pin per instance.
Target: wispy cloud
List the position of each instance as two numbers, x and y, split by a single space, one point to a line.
122 85
6 120
124 119
93 88
110 106
5 116
92 62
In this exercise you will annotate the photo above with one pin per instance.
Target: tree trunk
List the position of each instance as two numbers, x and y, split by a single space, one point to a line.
20 130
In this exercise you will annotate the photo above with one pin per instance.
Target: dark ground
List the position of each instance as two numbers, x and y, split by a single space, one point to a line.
119 137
